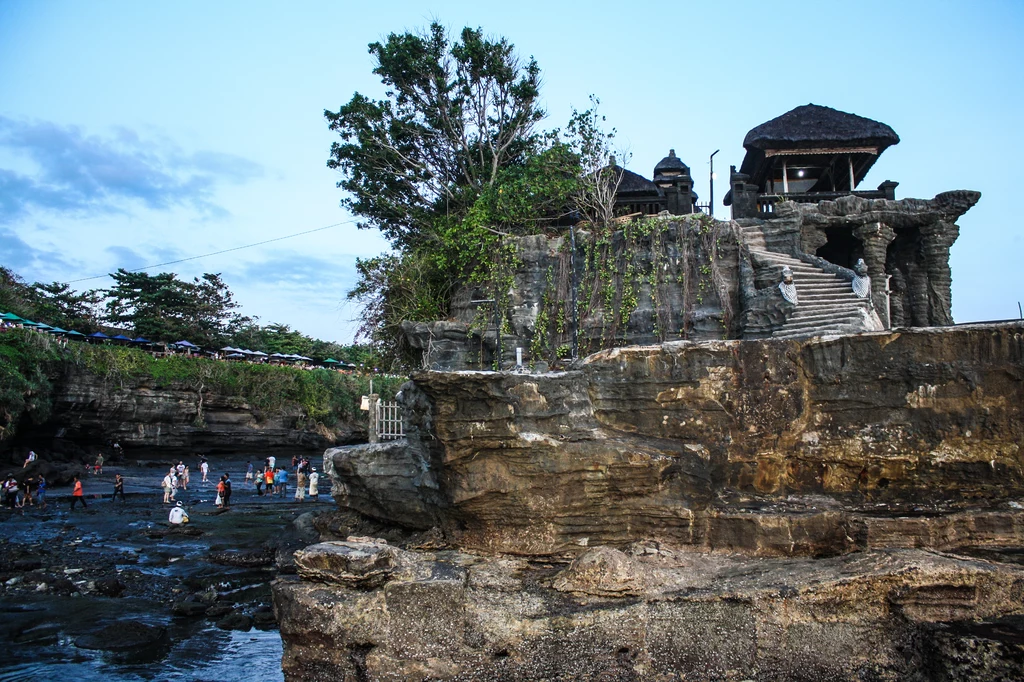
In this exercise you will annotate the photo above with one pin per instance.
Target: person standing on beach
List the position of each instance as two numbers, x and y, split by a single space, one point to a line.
248 474
185 479
268 474
314 484
300 485
168 487
77 495
118 488
227 490
204 466
97 468
41 492
259 483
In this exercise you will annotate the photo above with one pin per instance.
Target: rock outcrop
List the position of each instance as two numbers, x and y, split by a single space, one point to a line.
654 614
773 447
90 413
839 508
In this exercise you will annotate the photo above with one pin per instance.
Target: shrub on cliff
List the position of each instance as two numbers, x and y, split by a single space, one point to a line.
325 397
28 360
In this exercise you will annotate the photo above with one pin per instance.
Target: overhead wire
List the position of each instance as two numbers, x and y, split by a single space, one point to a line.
217 253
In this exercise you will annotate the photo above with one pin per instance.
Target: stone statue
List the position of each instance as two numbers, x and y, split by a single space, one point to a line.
862 282
787 287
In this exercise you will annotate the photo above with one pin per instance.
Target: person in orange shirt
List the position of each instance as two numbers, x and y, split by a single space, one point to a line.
77 495
269 477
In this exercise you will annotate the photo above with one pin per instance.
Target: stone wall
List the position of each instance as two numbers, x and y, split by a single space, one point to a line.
661 279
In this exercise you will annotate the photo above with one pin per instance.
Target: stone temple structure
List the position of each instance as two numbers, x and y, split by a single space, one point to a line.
672 272
774 459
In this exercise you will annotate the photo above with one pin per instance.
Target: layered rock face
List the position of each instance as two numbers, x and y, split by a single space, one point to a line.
89 412
770 447
842 508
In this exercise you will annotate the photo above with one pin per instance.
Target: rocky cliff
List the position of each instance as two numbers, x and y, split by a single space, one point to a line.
89 412
839 508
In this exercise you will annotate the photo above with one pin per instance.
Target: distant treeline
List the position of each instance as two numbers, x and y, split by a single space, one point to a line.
164 308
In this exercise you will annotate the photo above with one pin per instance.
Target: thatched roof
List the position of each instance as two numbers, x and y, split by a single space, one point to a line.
813 125
672 164
634 184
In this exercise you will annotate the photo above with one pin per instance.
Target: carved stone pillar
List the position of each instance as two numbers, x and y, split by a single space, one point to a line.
935 242
876 238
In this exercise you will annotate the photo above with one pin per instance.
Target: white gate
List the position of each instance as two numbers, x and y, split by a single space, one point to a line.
390 423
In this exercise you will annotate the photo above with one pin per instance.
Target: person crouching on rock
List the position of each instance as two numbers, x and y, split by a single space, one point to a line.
178 515
77 495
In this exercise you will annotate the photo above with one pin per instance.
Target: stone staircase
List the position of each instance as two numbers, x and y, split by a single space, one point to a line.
827 304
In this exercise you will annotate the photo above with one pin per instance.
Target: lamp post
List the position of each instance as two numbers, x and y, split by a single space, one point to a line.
711 180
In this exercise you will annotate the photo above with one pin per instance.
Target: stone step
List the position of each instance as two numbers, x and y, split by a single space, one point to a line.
823 331
820 318
814 307
818 324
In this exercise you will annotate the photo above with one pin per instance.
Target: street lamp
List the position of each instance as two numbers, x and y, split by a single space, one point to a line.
711 198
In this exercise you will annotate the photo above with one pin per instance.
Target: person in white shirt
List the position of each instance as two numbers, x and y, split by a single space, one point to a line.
314 483
168 484
178 516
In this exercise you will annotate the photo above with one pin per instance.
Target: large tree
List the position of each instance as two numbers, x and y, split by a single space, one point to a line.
456 112
165 308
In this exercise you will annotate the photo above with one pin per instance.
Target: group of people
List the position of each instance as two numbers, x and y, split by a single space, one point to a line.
31 491
177 477
275 478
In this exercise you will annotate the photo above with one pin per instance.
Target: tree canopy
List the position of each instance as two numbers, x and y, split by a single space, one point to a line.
164 307
456 113
448 164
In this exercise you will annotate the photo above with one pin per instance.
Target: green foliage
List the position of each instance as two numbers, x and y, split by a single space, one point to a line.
163 307
456 113
55 304
28 359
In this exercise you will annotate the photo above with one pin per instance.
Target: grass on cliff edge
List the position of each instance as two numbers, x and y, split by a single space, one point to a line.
32 365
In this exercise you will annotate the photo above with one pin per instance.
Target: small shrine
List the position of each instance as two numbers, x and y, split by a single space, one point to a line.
809 154
671 190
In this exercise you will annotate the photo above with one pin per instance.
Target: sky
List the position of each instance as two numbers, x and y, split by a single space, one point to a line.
134 134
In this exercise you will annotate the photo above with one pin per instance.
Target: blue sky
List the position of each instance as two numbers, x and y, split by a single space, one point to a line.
138 133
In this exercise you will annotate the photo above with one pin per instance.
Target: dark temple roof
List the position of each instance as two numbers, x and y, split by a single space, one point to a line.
634 184
813 125
672 163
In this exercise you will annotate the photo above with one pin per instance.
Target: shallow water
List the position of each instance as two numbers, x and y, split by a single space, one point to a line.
38 631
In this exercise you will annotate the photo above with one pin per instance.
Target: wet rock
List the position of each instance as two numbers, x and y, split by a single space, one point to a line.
235 621
39 635
26 564
109 587
189 609
243 559
305 528
122 636
357 564
219 610
264 618
183 531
